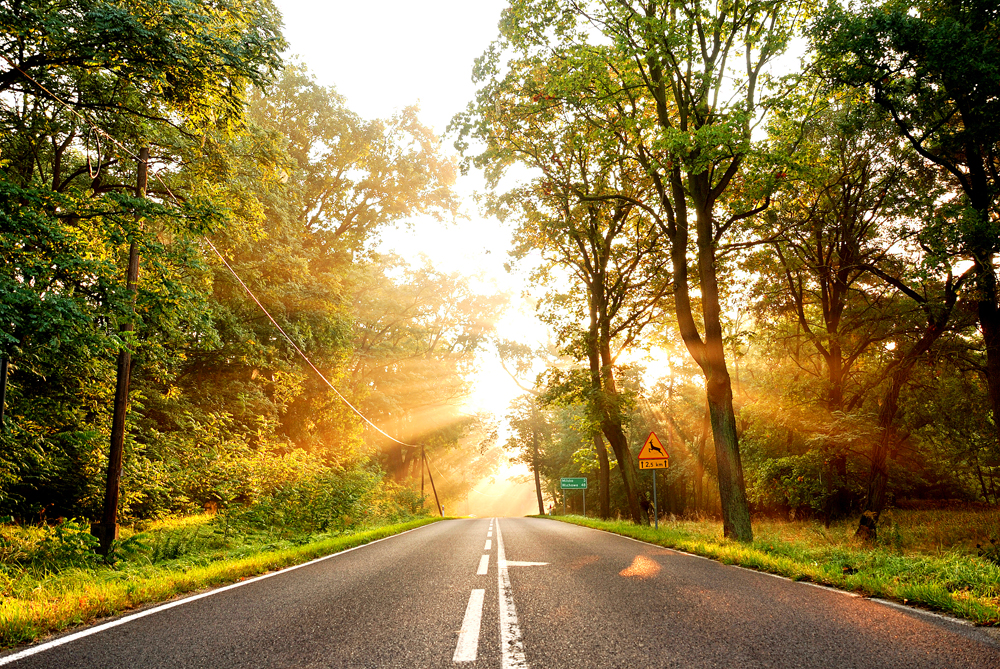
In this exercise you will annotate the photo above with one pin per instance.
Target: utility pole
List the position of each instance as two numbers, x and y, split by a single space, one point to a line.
431 475
3 391
107 530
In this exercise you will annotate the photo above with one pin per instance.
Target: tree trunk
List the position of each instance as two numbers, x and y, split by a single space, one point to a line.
878 476
534 459
619 444
611 425
709 352
732 489
603 476
3 392
699 466
719 390
602 399
989 321
107 529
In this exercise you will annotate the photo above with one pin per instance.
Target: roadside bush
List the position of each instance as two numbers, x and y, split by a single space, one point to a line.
794 481
305 495
68 544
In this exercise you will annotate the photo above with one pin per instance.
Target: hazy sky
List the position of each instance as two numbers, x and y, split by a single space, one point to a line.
388 55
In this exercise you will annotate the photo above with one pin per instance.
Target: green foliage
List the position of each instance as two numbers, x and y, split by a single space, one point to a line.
223 412
794 481
66 545
172 57
321 499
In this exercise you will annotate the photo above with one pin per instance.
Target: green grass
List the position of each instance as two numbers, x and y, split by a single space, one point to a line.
925 559
178 556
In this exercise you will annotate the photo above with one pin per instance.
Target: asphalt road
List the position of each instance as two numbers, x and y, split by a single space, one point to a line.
546 595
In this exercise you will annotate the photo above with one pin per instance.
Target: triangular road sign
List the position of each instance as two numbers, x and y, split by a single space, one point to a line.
653 449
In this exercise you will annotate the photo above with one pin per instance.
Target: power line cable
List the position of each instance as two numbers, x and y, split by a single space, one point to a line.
156 175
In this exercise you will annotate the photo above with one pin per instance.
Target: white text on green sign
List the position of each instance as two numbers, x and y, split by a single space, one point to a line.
573 483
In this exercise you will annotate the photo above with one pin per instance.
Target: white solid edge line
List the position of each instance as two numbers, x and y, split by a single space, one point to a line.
468 637
484 565
33 650
913 609
848 593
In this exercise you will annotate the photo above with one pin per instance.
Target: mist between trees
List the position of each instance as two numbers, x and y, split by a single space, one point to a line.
810 255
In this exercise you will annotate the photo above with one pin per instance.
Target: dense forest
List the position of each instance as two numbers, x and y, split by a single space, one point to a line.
764 229
262 186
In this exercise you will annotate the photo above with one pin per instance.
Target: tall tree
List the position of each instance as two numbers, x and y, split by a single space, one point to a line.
608 248
843 208
531 432
682 85
932 65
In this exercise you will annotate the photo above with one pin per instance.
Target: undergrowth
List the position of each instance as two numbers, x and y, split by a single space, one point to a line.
51 578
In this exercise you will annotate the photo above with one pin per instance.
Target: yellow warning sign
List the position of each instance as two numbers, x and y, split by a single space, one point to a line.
653 455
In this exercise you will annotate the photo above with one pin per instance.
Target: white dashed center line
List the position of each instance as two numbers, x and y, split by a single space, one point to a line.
489 545
468 637
511 646
484 565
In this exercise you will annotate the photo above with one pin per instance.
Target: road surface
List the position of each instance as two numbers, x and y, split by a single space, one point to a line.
509 593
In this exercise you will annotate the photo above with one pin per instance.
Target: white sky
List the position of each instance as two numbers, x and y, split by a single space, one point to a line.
390 54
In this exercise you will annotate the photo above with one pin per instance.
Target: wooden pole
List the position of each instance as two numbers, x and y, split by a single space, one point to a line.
431 476
3 391
107 530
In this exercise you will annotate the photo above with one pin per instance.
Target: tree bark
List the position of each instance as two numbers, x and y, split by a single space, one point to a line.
3 392
611 425
710 356
603 476
989 321
732 488
700 502
534 459
603 404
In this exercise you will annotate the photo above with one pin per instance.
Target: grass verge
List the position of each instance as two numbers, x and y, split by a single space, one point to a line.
33 606
951 581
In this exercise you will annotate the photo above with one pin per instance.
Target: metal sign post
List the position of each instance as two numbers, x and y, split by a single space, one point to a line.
574 483
653 456
656 513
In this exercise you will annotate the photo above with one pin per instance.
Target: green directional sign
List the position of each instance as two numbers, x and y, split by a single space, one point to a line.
573 483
